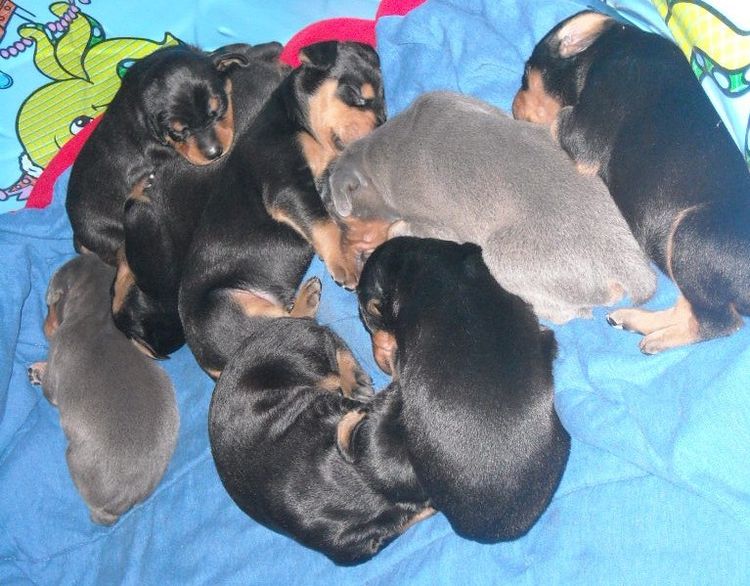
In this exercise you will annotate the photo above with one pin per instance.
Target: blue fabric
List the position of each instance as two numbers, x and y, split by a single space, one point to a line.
657 490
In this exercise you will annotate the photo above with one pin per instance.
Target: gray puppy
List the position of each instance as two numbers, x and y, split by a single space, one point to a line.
456 168
117 407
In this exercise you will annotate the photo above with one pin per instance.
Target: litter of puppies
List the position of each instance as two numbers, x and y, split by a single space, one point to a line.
455 237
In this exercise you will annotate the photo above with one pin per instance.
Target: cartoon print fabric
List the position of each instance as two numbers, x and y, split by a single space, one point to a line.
61 62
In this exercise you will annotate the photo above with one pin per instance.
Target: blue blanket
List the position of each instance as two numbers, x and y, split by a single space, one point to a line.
657 490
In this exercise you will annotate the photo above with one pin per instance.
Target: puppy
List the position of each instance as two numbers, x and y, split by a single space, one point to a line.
117 408
278 416
335 98
474 371
625 104
177 111
455 168
244 266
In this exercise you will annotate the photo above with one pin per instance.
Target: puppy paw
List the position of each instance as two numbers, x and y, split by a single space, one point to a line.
344 272
36 373
308 299
354 382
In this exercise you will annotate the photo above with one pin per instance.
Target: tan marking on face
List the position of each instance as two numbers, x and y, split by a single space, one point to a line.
188 149
224 127
365 235
384 351
329 118
346 426
51 322
124 281
535 104
676 221
367 91
308 299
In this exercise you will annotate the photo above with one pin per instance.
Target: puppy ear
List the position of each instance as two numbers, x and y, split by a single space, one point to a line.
373 307
580 32
345 431
230 56
342 197
267 51
321 55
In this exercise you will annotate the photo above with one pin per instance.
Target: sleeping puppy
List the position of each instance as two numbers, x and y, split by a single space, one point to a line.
177 111
117 408
278 415
456 168
335 98
625 104
244 266
474 374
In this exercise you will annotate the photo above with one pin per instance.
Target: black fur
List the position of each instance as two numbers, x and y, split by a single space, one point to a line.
238 246
633 109
473 374
273 433
135 138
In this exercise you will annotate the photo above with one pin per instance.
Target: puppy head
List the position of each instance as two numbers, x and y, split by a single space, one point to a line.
400 268
186 98
339 90
556 71
80 286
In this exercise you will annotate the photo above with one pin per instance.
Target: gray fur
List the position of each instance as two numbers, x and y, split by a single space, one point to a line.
117 406
456 168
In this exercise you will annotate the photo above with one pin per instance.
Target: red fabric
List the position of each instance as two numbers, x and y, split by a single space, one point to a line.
333 29
41 194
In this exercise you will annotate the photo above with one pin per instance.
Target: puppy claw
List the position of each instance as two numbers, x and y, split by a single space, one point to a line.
614 323
36 373
308 299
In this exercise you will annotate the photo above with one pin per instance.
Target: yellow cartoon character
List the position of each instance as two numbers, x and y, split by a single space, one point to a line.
86 70
717 49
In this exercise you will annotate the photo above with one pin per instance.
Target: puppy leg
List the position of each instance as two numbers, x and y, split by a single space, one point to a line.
327 239
36 373
645 322
425 513
677 326
578 137
349 378
308 299
355 383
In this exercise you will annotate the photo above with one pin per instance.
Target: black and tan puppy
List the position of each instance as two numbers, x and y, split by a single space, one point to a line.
625 104
117 407
474 371
279 412
177 110
244 266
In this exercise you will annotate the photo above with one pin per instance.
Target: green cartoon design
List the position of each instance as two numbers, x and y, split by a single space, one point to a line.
85 68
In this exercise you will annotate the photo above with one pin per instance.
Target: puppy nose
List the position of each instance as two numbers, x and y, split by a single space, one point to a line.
214 151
